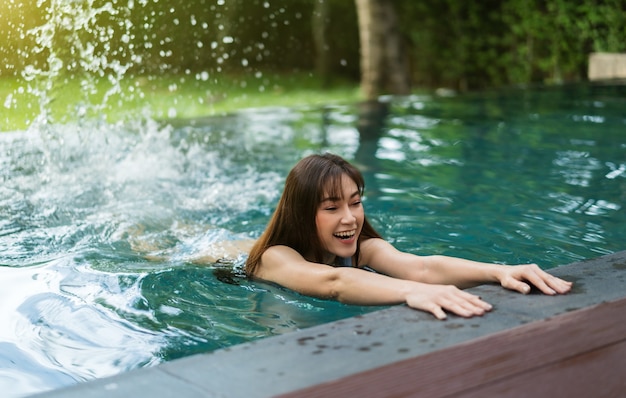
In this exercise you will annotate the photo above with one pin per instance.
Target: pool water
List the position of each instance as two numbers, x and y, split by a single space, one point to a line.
508 176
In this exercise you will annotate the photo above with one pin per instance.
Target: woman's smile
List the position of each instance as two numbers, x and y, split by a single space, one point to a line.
346 235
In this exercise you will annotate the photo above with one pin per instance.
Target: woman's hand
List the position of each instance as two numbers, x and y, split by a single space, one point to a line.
437 298
518 277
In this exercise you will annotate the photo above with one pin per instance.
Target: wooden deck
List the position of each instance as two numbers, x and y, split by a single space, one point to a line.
578 354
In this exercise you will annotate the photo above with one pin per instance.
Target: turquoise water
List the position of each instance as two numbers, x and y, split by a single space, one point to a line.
511 176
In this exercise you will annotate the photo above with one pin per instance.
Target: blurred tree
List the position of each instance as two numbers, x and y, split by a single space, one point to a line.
384 66
320 38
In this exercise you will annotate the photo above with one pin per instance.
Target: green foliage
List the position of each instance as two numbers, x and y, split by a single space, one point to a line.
475 44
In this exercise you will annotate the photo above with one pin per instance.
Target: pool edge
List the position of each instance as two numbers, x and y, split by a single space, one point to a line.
329 354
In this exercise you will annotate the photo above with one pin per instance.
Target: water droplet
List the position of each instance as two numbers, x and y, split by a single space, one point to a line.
8 101
204 76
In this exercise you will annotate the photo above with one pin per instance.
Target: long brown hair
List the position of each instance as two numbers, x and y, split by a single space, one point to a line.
293 221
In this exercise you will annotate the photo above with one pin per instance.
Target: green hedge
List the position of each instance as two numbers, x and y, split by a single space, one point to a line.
475 44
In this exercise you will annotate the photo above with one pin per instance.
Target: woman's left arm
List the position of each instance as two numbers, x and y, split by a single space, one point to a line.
383 257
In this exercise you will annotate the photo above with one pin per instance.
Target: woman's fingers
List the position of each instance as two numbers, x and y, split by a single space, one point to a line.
535 277
514 284
464 304
559 285
545 282
438 312
439 299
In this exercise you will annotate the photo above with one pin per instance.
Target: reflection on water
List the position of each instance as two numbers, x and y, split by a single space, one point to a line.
523 176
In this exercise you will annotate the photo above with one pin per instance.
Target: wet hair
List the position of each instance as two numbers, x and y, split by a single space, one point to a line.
293 222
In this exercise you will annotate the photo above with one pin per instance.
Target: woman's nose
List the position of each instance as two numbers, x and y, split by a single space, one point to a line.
347 215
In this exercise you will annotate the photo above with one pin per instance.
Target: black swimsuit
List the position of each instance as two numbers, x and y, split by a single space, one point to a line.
343 262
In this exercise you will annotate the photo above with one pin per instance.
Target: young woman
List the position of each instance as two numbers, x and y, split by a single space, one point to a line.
319 241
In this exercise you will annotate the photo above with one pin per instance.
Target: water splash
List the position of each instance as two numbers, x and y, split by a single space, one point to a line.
76 44
105 59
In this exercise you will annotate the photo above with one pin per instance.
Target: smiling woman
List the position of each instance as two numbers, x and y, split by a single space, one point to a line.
319 243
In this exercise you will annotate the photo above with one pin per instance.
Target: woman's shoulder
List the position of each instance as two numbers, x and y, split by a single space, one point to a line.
282 253
373 247
273 260
370 244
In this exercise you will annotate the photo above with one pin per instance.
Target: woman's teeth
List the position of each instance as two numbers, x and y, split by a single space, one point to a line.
345 235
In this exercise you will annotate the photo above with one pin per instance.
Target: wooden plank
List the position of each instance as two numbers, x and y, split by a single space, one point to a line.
582 340
599 373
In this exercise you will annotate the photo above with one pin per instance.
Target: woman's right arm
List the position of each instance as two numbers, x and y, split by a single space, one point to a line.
286 267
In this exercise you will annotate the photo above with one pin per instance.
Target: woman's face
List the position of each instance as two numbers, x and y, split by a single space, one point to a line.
339 220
